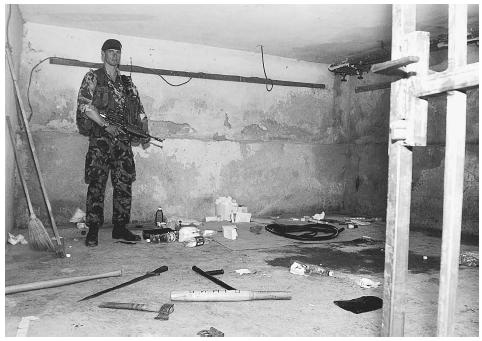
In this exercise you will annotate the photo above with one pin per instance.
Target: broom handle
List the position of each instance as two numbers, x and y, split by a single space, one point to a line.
31 145
22 180
57 282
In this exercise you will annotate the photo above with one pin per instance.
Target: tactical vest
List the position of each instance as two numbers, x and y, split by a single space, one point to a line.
103 100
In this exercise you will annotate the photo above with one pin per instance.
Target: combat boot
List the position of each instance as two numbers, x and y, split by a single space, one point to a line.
92 238
121 232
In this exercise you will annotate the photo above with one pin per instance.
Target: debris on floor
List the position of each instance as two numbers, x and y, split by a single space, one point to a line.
256 229
244 271
212 332
188 233
208 233
230 231
78 217
368 283
226 208
299 268
361 305
24 324
319 216
14 240
469 258
193 242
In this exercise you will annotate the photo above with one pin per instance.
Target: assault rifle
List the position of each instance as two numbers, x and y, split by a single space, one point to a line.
131 129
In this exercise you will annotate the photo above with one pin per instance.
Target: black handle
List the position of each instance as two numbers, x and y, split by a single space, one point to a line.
158 271
215 272
214 279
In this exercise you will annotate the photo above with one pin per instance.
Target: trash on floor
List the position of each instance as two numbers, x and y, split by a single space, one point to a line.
368 283
159 235
319 216
78 217
299 268
230 231
14 240
193 242
24 324
361 305
212 332
469 258
224 206
188 233
240 217
244 271
256 229
208 233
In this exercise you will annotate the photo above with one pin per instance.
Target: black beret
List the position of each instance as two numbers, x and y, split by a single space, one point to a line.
111 44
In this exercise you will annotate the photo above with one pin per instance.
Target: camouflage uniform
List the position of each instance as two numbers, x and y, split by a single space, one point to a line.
107 154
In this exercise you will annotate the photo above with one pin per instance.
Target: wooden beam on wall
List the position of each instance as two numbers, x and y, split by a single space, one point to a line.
399 188
453 175
372 87
200 75
392 67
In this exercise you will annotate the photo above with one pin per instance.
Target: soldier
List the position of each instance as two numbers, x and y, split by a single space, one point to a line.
106 95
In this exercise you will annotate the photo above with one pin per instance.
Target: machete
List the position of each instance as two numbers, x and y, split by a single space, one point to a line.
156 272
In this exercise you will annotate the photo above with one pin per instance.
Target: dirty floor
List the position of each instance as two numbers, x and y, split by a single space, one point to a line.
311 311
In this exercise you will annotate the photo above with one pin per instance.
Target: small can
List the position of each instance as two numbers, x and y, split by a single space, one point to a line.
196 241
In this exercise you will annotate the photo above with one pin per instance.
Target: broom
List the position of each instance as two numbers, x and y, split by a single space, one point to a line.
38 237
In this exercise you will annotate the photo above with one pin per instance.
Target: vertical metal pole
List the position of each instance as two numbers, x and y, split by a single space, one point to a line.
453 175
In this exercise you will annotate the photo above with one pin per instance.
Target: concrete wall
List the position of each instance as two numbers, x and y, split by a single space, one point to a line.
272 151
366 116
14 31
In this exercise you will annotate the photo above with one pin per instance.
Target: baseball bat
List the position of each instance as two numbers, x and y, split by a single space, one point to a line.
57 282
228 295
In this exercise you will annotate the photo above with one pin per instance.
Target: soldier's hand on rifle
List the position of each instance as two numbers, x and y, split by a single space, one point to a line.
113 130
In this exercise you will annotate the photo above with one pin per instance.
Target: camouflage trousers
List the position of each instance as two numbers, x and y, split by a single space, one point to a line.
105 156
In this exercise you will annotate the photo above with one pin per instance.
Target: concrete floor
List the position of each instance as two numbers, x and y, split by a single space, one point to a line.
310 312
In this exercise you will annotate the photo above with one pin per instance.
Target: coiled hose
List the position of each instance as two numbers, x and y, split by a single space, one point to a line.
308 232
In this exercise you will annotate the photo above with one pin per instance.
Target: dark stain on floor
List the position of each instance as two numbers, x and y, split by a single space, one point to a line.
363 261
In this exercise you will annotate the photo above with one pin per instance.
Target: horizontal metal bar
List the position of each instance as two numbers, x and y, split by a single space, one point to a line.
201 75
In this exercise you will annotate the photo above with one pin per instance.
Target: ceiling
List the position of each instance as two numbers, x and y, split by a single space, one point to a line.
316 32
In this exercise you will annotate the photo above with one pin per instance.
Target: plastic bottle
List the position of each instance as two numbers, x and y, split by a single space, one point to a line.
159 219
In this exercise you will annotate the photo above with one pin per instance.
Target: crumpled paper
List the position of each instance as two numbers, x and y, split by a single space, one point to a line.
368 283
12 239
319 216
78 217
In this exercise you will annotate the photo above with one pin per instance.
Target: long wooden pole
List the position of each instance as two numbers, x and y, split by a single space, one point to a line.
200 75
228 295
453 175
399 189
57 282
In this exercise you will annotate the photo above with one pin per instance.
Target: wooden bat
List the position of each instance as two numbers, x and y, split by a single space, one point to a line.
57 282
228 295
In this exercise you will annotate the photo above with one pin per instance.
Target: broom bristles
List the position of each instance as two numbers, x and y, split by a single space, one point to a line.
38 237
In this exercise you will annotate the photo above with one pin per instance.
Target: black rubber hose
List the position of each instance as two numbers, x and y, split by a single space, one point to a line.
308 232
